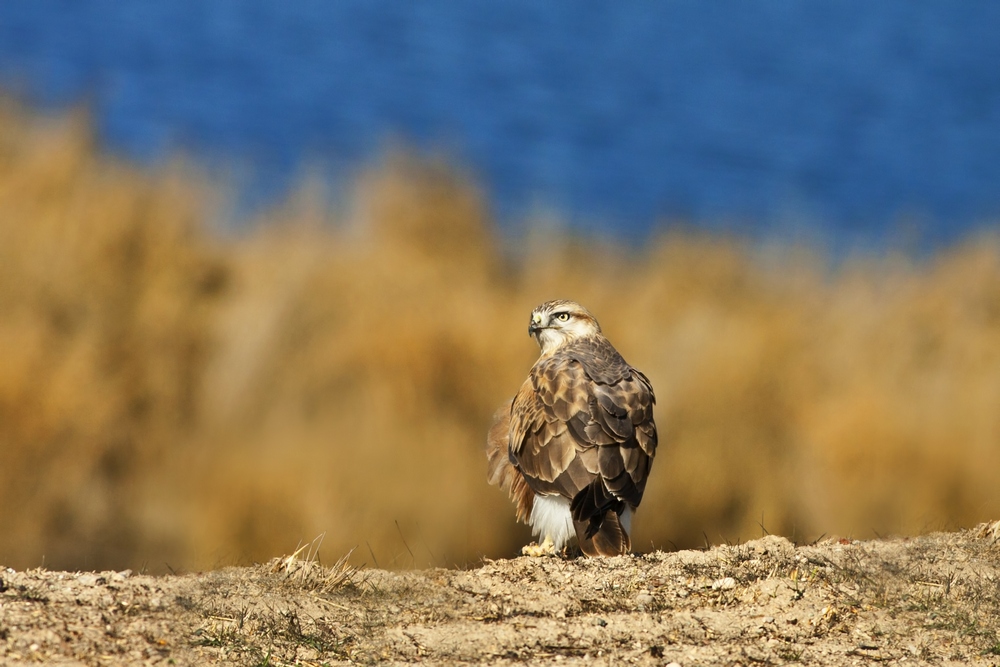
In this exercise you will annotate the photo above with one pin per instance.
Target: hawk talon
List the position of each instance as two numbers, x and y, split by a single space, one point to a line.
546 548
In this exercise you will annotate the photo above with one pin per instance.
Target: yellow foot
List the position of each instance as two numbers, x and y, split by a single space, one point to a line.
546 548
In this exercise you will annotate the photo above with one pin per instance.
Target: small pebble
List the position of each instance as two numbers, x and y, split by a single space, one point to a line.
87 579
644 599
723 584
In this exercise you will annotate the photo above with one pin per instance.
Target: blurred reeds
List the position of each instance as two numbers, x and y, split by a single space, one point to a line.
174 398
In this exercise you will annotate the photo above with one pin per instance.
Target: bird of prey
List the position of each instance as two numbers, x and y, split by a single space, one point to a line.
574 447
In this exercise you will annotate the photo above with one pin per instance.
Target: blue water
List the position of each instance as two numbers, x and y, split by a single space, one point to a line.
846 116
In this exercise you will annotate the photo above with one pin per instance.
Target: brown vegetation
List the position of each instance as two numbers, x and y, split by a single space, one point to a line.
171 398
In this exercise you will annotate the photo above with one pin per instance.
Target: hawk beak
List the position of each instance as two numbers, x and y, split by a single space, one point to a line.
533 328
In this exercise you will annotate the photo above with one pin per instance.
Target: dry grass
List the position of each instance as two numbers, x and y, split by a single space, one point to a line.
172 399
303 569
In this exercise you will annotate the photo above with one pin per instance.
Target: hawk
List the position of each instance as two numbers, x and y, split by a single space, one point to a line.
575 445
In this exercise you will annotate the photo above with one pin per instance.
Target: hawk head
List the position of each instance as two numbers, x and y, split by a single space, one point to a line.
555 323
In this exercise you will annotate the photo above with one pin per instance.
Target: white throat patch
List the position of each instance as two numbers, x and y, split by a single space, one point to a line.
549 340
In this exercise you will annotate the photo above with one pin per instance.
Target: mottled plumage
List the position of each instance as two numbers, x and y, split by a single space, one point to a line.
578 435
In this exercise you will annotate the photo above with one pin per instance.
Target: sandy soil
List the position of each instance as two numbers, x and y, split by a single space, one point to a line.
927 600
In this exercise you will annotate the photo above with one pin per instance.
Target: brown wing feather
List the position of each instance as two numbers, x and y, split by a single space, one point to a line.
501 472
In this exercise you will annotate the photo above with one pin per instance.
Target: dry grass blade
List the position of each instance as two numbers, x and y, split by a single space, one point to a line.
303 569
988 530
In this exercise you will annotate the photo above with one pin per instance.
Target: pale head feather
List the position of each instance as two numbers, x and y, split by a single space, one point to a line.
556 323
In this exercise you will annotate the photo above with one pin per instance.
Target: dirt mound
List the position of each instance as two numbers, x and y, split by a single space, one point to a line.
931 599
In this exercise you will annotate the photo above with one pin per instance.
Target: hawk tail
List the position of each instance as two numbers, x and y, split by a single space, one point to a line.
596 518
610 538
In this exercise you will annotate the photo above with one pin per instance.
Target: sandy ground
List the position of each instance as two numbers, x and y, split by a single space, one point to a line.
926 600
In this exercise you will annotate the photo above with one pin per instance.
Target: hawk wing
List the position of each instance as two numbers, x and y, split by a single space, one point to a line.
500 471
582 427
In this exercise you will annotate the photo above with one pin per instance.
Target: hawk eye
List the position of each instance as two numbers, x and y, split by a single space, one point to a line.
562 317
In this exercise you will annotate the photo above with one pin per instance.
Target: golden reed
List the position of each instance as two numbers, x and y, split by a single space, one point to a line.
176 398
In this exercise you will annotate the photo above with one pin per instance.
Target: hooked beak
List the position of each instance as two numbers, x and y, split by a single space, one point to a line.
535 326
